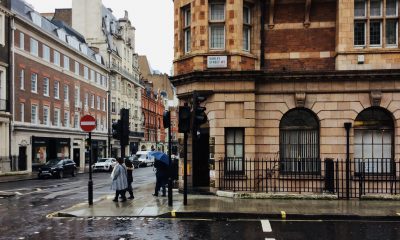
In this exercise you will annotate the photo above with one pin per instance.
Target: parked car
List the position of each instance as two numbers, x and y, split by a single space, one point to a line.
104 164
144 158
135 161
58 168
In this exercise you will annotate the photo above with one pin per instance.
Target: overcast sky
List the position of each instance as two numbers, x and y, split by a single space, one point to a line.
153 20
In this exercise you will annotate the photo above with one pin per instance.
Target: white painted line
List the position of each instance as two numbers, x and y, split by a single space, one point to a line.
88 123
270 239
266 226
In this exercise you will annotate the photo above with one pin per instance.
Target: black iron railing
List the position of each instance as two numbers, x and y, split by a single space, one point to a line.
367 176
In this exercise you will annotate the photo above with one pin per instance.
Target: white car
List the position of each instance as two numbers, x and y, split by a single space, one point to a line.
104 164
144 158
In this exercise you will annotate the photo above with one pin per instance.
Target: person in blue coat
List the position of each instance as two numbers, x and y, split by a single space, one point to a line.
119 180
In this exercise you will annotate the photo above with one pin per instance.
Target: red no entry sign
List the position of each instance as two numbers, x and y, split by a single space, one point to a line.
88 123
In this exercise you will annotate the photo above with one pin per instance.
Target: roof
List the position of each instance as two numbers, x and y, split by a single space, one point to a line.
26 12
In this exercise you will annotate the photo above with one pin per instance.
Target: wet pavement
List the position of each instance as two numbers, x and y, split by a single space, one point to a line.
33 211
210 206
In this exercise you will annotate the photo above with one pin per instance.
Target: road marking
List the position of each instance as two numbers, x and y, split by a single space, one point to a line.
270 239
283 214
266 226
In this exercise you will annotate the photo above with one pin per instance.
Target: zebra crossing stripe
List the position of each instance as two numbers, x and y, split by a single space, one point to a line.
266 226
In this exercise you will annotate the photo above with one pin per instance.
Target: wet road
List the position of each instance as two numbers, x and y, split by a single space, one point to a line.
24 217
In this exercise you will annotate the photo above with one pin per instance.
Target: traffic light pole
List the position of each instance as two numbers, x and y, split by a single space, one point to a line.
170 165
90 183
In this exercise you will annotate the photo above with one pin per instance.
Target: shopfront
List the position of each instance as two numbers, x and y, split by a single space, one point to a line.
44 149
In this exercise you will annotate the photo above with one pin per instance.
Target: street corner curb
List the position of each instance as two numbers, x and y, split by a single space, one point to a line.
282 215
7 194
241 195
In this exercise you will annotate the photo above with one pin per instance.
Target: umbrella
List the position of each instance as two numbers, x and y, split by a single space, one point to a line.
160 156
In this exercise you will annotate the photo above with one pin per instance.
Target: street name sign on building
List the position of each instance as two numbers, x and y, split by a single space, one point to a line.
88 123
217 61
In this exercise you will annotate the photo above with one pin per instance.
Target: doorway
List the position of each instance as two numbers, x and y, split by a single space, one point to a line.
22 166
77 156
201 157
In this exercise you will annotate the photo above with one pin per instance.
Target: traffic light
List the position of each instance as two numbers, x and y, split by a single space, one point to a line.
125 127
167 119
184 119
116 130
200 117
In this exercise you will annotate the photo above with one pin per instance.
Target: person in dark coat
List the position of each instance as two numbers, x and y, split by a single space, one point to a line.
161 178
129 177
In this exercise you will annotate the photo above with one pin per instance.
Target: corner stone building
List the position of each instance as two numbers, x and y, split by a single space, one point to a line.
283 77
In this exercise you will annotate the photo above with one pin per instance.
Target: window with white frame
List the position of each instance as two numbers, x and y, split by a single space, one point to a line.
98 102
22 40
34 83
76 68
375 23
22 111
66 93
46 53
373 141
92 75
2 29
46 116
34 47
86 99
76 120
22 79
36 18
246 28
34 114
56 58
186 28
98 78
217 25
234 144
57 117
56 89
3 89
46 86
86 72
92 101
113 107
66 63
77 96
66 119
104 104
62 34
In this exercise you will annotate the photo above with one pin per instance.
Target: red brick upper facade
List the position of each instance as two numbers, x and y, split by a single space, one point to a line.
322 35
55 85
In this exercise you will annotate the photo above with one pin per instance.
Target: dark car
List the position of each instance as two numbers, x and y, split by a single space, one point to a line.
135 161
58 168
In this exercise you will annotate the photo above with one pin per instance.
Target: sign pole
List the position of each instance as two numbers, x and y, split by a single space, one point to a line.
170 165
185 168
88 124
90 183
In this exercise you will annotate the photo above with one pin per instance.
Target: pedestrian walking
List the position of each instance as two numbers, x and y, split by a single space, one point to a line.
161 178
129 177
119 180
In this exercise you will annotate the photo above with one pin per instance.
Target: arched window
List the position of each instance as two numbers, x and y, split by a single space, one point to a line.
373 141
299 142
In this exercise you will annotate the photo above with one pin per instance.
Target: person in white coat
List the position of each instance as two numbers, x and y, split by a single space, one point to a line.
119 180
